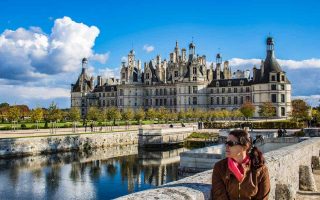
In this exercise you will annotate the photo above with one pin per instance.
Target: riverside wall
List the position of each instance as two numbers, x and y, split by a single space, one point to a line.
284 166
15 147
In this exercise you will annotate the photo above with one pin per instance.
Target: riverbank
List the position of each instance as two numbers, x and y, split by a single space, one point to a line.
15 147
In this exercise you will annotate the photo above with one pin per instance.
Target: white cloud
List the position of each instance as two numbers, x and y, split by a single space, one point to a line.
30 54
109 73
41 93
300 64
102 58
124 59
148 48
312 100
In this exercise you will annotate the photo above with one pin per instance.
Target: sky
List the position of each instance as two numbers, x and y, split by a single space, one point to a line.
42 42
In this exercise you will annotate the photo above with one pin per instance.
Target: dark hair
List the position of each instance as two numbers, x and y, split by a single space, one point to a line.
256 157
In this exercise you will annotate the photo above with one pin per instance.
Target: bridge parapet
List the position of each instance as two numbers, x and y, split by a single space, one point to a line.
285 168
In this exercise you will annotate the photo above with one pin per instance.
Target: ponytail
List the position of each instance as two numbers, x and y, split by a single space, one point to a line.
256 157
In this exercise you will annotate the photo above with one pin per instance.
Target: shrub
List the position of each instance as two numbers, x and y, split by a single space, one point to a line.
23 126
299 134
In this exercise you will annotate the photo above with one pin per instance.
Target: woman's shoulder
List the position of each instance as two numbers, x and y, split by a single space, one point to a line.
221 163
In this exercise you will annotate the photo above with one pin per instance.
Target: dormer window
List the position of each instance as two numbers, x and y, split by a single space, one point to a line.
217 83
282 78
176 74
241 82
147 75
229 83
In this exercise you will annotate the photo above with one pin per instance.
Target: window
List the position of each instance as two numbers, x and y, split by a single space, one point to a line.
121 92
176 74
157 102
282 78
273 98
282 87
223 90
147 75
194 101
121 102
194 78
273 78
217 83
123 75
189 89
218 90
222 101
229 100
247 89
218 100
241 82
229 83
282 98
195 89
212 100
273 87
229 90
235 100
157 92
194 70
283 111
241 89
235 90
247 98
241 100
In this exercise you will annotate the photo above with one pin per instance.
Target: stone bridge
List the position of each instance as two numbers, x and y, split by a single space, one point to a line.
290 171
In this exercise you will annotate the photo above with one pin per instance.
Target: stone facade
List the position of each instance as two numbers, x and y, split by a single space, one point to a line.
187 82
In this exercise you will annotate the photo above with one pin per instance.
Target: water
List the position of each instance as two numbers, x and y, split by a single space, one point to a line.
100 174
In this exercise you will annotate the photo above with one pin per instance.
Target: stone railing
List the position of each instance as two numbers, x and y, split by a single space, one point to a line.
289 168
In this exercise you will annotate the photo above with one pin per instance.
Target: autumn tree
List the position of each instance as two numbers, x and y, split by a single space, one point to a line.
127 115
36 116
300 110
267 110
13 115
139 115
151 114
247 109
74 115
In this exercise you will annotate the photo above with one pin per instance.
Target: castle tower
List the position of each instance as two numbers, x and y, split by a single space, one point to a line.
131 58
183 55
176 51
192 51
218 66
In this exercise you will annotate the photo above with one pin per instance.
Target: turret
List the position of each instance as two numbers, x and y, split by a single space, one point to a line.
192 51
183 55
218 66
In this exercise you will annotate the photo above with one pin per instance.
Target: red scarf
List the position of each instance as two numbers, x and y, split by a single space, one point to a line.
236 168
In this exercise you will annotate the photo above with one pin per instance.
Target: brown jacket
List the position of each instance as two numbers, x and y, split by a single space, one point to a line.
225 186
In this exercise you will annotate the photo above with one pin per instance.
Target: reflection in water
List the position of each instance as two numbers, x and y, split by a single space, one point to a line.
98 174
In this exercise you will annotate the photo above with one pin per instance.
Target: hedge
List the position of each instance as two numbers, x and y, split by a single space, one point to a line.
255 125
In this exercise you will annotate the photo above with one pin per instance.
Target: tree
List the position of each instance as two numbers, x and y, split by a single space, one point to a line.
267 110
127 115
162 113
4 109
53 115
151 114
112 113
36 116
139 115
74 115
247 109
181 115
300 110
13 115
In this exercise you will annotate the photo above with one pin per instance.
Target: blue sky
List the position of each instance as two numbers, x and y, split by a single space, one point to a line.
235 28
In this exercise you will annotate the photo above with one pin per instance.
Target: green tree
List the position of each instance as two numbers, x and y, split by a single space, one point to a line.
267 110
162 114
139 115
247 109
151 114
36 116
74 115
53 115
300 110
181 115
189 114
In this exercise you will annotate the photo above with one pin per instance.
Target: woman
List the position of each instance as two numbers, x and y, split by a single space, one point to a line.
243 173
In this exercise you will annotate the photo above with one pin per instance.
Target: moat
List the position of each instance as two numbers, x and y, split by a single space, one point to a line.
88 175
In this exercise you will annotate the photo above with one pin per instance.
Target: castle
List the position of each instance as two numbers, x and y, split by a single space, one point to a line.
186 82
